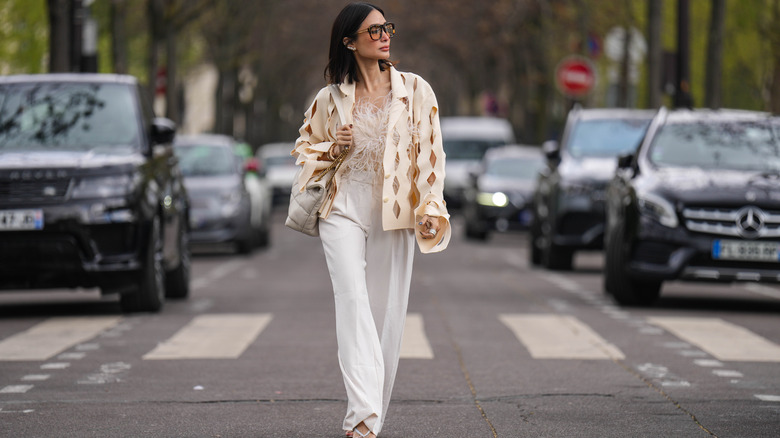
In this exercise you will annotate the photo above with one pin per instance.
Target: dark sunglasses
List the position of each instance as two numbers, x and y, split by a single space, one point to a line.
375 30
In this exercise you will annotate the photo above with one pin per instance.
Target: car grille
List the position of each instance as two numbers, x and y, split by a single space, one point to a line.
747 222
39 191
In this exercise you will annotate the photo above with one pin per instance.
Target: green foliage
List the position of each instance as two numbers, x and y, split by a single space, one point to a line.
24 36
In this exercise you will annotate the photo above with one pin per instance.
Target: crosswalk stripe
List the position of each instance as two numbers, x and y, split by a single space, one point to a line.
214 336
53 336
414 343
554 336
721 339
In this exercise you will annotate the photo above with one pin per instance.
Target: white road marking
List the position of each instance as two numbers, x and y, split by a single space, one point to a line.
727 373
35 377
710 363
87 347
563 282
551 336
215 274
71 356
16 389
768 398
414 343
216 336
763 290
721 339
661 374
26 411
55 366
53 336
109 373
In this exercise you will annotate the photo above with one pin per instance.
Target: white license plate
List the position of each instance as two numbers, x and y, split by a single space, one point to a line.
746 250
14 220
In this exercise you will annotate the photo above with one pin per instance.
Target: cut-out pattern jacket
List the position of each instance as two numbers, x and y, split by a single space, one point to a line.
413 161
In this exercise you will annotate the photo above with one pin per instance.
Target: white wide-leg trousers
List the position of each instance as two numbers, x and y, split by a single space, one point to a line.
371 272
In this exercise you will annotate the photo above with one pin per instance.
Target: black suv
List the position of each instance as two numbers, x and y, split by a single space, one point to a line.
90 193
699 200
569 196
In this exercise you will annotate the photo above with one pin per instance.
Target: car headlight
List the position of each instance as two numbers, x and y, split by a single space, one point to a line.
497 199
103 186
230 202
658 209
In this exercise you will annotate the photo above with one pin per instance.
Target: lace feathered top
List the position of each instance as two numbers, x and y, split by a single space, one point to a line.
369 131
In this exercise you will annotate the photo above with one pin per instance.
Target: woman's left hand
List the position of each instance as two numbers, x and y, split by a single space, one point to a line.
429 226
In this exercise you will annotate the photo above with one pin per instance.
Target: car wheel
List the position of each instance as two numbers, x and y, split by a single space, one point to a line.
244 246
534 250
473 232
177 281
263 234
626 290
555 257
149 293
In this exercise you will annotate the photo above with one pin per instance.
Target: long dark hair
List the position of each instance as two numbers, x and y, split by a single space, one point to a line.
341 62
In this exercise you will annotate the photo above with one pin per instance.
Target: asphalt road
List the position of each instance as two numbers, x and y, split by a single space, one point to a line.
493 349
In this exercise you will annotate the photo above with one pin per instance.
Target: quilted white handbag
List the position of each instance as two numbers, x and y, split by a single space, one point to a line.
302 213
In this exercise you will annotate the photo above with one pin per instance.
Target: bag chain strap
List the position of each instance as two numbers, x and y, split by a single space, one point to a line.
334 166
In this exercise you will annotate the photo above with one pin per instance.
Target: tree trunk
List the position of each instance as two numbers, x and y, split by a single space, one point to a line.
713 70
655 53
119 36
774 40
59 35
154 11
171 85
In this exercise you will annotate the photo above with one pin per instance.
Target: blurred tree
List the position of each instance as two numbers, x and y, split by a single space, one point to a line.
714 69
24 36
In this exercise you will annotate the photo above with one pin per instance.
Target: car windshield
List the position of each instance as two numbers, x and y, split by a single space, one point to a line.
606 138
514 167
718 145
80 116
206 160
280 160
468 149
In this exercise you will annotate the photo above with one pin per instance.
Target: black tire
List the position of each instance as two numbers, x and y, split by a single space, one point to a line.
177 280
475 233
263 235
557 258
626 290
149 294
534 250
244 246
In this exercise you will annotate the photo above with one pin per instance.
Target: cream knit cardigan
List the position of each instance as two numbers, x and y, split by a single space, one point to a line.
413 161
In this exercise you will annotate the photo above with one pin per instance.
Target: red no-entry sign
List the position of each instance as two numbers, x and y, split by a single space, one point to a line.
575 76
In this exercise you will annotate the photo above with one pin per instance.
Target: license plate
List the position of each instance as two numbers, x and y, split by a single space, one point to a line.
746 250
14 220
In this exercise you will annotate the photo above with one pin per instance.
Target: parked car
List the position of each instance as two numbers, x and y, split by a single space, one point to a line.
90 195
569 196
260 194
499 197
465 141
699 201
279 168
214 177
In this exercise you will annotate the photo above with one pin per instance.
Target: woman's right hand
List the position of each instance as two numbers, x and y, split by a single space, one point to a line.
343 141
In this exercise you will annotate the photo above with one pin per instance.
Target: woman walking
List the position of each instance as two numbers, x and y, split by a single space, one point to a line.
386 194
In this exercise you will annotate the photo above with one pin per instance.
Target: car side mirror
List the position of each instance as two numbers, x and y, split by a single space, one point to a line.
625 161
163 130
551 150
